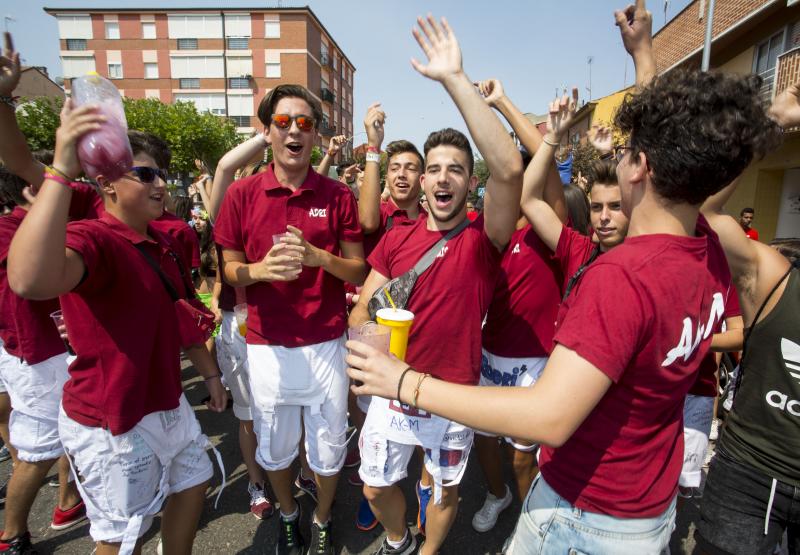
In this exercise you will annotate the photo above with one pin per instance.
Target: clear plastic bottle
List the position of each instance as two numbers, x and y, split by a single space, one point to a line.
106 151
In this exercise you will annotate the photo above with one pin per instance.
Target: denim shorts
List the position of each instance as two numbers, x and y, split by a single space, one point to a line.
550 524
734 511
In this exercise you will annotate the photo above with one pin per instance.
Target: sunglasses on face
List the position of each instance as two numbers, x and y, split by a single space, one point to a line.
284 121
146 174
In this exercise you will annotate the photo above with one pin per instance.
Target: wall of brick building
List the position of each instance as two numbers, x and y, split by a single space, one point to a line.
788 69
686 31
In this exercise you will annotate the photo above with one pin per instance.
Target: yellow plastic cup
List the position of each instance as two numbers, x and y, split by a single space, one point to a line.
400 321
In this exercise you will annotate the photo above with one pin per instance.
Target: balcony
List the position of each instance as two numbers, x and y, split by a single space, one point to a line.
325 59
326 130
327 95
788 70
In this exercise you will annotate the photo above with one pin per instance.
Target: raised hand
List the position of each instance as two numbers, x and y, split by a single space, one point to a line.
336 144
636 27
785 109
562 113
441 48
373 124
9 67
601 138
491 90
74 123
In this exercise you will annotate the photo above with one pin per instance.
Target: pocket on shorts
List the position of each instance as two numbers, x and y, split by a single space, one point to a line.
38 381
130 474
330 446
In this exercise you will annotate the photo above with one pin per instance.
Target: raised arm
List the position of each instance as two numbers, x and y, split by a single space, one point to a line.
369 198
503 189
39 264
333 149
543 218
14 150
227 166
531 139
636 28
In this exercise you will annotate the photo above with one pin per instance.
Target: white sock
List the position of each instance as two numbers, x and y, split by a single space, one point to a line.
321 524
291 517
394 544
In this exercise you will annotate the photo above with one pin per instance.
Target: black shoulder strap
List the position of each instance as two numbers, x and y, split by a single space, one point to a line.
752 325
389 222
579 272
164 279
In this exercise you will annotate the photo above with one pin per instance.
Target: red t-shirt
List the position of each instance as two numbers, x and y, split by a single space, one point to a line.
310 309
122 324
572 251
643 314
184 234
522 317
751 233
449 299
388 210
26 328
706 383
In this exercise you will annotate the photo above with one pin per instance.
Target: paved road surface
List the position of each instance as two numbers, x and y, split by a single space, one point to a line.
230 529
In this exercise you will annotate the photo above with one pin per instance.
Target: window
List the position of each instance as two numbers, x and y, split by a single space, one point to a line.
334 61
75 27
237 43
187 44
766 57
148 30
240 121
76 67
76 44
204 26
205 102
239 66
197 66
112 30
189 83
324 57
151 71
238 83
343 71
273 64
237 25
115 71
272 27
240 105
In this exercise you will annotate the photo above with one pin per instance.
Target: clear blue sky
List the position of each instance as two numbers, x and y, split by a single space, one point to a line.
533 47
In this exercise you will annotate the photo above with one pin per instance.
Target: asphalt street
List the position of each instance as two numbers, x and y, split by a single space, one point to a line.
231 529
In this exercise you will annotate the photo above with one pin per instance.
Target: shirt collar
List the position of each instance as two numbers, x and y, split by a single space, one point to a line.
270 183
394 209
128 233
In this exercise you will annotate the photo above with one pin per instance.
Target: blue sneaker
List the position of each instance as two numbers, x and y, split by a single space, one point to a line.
423 497
365 519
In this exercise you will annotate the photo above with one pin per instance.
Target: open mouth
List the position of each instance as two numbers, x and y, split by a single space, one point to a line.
294 148
443 199
158 197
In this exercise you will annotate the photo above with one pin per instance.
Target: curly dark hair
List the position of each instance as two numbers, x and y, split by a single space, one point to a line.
699 131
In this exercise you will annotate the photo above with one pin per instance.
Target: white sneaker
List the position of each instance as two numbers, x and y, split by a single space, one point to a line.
485 519
714 434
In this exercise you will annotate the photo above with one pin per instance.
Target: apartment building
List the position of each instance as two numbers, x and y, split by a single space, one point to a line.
223 60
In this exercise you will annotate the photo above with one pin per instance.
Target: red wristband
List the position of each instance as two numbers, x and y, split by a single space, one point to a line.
373 149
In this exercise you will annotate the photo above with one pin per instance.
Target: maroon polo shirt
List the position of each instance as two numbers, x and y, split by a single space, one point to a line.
26 328
183 233
310 309
388 210
122 324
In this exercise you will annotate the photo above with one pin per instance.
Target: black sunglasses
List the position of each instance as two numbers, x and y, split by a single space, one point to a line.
146 174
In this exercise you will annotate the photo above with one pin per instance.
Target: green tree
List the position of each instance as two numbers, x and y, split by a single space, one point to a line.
38 120
481 171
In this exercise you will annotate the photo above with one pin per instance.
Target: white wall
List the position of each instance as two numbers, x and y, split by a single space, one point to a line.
789 213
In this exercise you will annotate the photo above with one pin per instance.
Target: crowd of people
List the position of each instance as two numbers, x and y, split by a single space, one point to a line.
575 329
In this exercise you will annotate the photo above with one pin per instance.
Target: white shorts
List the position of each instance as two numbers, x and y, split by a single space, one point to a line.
232 360
296 387
385 462
698 413
510 372
35 392
122 474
